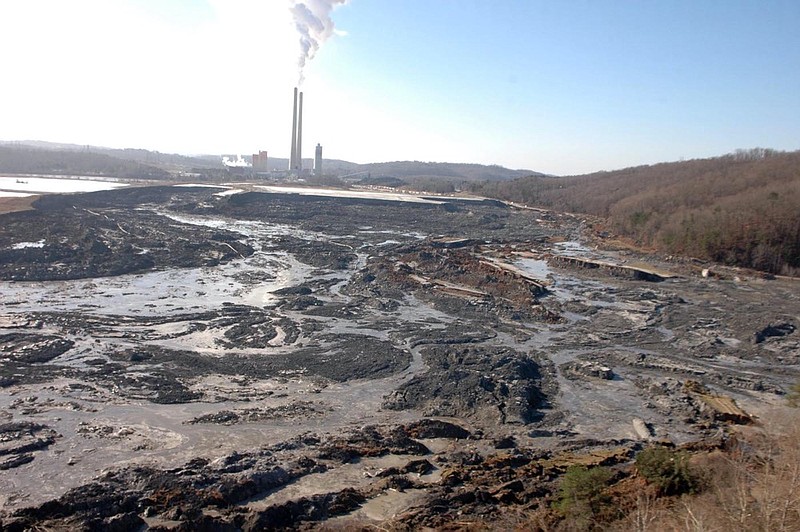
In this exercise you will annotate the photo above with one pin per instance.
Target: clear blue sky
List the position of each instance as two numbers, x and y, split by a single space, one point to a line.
558 87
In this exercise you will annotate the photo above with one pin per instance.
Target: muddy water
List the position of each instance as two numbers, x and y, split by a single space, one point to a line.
157 292
102 429
602 409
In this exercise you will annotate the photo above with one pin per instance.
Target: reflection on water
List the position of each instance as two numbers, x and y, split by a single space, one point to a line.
247 281
56 185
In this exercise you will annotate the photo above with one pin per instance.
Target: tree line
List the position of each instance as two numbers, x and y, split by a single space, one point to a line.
740 209
26 160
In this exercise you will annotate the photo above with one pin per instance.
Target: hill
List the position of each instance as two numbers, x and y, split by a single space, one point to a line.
739 209
27 160
40 155
413 170
457 171
148 157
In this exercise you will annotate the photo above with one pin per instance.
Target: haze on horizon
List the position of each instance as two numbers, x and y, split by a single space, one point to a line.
557 88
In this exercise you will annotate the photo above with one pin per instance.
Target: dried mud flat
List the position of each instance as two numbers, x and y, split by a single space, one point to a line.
173 358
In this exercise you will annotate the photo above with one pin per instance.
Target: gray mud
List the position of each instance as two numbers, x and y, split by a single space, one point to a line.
172 358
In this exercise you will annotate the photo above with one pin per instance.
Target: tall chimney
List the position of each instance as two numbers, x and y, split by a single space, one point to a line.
293 154
300 137
318 161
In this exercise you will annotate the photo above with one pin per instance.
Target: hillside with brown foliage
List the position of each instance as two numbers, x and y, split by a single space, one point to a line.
740 209
27 160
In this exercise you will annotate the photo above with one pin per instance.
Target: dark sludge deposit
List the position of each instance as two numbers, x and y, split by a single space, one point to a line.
177 359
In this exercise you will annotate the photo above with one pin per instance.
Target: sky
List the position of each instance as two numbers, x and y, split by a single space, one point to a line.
561 87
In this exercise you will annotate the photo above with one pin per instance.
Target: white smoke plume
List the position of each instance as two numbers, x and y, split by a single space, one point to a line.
238 162
312 18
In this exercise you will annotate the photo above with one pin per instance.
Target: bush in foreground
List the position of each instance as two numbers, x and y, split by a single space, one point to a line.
668 469
582 495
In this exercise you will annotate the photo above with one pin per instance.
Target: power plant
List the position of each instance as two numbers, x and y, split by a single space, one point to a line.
260 160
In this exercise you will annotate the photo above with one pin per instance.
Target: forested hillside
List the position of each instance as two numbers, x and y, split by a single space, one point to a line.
148 157
26 160
455 171
416 170
739 209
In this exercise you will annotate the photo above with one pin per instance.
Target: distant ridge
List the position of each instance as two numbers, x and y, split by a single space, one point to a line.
410 170
405 170
155 158
465 171
16 159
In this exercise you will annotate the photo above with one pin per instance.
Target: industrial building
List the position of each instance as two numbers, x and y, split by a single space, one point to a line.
260 162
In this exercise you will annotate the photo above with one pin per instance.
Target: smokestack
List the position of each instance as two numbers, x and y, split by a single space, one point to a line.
293 154
318 161
300 137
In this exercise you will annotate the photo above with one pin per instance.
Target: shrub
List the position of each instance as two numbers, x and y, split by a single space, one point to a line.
669 470
793 398
582 494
